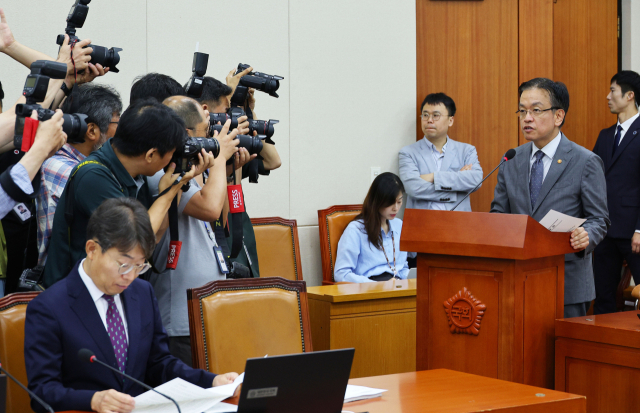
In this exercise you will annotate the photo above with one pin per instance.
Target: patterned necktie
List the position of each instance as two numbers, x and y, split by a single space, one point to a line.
115 328
537 175
616 142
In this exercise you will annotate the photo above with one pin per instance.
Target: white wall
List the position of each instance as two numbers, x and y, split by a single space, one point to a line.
630 35
346 104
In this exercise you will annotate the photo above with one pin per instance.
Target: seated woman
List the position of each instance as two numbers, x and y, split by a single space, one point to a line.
369 249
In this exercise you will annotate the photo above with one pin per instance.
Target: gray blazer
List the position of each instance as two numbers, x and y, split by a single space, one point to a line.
450 185
575 187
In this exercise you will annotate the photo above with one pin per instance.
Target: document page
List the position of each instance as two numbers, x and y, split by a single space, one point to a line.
191 398
556 221
355 393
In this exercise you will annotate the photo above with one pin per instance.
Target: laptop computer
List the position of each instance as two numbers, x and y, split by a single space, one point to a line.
3 393
308 382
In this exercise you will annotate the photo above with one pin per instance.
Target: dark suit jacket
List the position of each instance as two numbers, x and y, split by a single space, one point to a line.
64 319
622 173
575 187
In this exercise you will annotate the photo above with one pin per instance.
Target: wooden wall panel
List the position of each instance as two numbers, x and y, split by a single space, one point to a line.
469 50
585 56
535 42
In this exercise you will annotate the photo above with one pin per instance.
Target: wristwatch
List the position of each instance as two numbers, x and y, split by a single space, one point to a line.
65 89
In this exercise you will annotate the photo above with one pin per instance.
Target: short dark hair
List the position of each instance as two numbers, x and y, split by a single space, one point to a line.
188 111
98 102
122 223
558 93
213 90
148 124
437 98
156 86
1 94
629 81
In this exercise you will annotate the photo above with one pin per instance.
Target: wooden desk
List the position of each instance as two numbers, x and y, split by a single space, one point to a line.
377 319
448 391
599 357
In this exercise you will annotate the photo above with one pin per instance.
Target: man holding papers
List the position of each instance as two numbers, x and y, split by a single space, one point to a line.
551 172
102 306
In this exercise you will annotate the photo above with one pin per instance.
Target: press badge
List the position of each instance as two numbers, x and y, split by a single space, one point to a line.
22 212
222 264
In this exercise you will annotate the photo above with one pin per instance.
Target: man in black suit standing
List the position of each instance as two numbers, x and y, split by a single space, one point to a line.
619 148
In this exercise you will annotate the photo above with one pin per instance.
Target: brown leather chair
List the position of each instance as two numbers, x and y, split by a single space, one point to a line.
233 320
332 223
278 247
13 308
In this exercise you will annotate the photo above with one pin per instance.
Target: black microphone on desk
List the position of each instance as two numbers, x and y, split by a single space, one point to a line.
87 356
509 155
32 394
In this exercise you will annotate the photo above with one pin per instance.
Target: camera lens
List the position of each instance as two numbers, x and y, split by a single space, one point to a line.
106 57
250 143
75 126
214 118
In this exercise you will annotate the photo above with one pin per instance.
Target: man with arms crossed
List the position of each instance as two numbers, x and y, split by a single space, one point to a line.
619 148
551 172
437 171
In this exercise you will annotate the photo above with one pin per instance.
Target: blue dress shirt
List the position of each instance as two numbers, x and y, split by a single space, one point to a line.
21 178
357 259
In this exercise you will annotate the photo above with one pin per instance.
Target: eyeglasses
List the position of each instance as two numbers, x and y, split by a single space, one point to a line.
126 268
435 116
536 112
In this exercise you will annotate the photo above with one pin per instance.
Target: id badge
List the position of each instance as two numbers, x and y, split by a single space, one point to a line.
22 211
222 264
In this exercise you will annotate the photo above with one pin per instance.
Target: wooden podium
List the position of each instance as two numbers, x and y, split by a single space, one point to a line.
490 287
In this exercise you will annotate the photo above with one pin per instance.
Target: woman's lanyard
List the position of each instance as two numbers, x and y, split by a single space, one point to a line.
393 242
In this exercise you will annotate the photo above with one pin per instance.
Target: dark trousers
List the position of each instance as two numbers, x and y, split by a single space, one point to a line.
576 310
607 267
180 347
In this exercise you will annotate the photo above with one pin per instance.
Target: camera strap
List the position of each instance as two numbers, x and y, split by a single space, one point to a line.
236 208
175 245
29 133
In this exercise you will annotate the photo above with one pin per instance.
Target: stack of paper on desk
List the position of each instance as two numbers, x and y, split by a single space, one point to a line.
355 393
191 398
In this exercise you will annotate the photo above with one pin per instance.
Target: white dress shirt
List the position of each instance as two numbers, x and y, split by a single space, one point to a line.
101 304
549 152
437 159
626 125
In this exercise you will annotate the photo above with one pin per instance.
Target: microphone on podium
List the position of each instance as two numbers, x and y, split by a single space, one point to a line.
32 394
507 156
87 356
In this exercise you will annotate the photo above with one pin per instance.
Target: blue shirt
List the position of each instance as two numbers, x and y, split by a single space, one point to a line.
358 259
21 178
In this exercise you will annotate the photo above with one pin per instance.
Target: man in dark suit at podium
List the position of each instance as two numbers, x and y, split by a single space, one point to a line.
102 306
619 148
551 172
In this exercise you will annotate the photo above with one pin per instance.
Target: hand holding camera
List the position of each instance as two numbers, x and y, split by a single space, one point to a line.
234 76
50 136
227 140
77 58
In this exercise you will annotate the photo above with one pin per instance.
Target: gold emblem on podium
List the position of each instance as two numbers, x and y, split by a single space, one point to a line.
464 313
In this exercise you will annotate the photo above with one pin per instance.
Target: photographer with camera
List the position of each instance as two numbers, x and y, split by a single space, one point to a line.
201 204
216 97
16 180
102 106
146 138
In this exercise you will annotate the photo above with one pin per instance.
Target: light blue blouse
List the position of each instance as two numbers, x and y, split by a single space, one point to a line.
358 259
